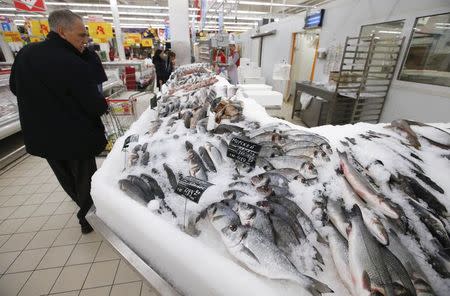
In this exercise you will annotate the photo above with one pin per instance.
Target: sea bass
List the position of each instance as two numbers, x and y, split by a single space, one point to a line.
368 269
364 189
258 253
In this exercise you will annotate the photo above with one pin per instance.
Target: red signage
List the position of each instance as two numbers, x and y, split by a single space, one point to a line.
30 5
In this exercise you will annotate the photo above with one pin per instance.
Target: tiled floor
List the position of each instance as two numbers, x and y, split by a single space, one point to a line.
42 250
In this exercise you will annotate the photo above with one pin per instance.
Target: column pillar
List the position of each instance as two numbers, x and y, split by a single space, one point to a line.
179 30
117 29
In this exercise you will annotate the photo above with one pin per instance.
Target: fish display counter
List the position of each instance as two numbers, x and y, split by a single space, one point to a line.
215 197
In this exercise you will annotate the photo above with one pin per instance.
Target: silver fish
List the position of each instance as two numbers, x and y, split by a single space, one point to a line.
214 154
339 253
273 190
206 159
270 178
336 214
258 253
419 280
300 215
400 277
303 164
364 189
310 152
372 221
368 269
253 216
403 125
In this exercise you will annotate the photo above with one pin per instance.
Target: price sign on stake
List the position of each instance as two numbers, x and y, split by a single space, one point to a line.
243 151
191 188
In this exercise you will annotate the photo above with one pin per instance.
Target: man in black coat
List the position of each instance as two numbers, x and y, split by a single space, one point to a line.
60 106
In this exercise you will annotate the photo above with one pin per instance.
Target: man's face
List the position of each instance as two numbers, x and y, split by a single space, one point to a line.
75 34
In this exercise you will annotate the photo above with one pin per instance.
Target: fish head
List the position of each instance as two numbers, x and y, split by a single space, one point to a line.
326 147
259 180
247 213
189 145
233 234
308 169
265 190
264 205
220 215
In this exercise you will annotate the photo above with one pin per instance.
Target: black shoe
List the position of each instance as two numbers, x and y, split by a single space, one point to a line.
86 228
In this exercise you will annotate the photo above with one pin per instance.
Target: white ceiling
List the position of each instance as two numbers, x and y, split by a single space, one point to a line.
239 15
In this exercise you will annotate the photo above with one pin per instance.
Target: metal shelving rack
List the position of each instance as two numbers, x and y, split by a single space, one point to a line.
366 72
204 50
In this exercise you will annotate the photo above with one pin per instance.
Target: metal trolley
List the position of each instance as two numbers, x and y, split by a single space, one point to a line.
122 112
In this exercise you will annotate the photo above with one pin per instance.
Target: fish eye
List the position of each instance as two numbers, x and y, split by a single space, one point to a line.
215 210
316 152
310 166
233 227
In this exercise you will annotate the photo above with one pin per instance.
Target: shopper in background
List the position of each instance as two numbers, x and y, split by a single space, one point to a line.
220 61
160 63
233 64
171 61
60 106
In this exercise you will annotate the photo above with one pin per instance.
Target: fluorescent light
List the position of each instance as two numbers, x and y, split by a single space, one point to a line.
443 24
258 3
74 4
390 32
442 27
7 8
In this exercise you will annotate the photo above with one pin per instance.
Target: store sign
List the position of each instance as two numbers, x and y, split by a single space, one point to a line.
35 39
222 40
135 36
100 30
243 151
39 27
6 27
12 37
30 5
147 42
191 188
100 40
129 42
314 18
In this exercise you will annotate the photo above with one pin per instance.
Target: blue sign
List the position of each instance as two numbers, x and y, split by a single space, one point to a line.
314 19
6 27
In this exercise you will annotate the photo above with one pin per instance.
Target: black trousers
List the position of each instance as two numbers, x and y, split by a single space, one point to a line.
75 178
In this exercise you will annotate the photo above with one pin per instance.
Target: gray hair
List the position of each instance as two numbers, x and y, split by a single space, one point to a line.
62 18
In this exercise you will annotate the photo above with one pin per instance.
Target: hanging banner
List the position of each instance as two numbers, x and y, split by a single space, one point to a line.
39 27
147 42
203 9
100 30
12 37
100 40
135 36
30 5
6 27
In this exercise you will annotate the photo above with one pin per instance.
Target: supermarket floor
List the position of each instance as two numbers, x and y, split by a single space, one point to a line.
42 250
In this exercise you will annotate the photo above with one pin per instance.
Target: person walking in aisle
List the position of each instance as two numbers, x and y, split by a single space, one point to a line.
233 64
60 106
160 62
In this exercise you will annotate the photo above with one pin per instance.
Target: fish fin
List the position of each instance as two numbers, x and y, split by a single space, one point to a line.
248 252
365 281
317 287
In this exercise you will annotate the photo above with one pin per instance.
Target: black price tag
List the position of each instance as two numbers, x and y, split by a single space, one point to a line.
130 139
153 102
243 151
191 188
